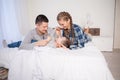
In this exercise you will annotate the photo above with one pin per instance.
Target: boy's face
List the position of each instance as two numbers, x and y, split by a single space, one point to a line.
42 27
58 42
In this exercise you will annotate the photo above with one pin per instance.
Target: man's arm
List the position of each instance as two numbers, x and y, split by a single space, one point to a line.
26 43
42 42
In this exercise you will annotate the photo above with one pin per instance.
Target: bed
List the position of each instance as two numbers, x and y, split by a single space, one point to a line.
46 63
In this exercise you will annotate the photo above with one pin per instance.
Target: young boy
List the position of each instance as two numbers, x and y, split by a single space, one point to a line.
62 42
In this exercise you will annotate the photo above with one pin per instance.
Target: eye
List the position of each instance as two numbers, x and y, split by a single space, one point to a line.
55 40
62 24
44 26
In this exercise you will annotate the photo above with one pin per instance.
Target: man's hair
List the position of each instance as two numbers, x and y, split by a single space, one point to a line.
41 18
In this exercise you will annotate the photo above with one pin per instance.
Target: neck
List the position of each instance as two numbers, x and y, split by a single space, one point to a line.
69 26
38 32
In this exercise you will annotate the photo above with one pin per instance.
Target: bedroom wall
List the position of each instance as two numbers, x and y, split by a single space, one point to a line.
100 13
1 36
117 26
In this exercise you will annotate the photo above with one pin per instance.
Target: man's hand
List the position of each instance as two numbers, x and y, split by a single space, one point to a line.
41 43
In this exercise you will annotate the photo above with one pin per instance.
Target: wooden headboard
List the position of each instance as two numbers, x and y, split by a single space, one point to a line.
94 31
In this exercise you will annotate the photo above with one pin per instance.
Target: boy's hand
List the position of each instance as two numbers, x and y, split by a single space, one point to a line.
48 38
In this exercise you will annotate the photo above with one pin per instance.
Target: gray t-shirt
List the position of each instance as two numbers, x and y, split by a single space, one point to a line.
28 42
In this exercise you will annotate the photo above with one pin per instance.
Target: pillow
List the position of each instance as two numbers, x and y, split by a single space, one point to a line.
33 40
17 44
14 44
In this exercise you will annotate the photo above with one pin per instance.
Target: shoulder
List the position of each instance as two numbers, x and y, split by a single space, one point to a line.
31 32
77 27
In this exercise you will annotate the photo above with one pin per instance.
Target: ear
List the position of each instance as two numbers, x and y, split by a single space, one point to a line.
68 21
37 25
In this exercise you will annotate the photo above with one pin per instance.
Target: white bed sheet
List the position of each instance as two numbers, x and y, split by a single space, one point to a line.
46 63
6 56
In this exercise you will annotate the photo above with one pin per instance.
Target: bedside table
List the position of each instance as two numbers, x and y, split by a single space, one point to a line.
103 43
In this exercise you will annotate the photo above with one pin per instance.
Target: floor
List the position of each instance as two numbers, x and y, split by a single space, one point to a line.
113 60
3 73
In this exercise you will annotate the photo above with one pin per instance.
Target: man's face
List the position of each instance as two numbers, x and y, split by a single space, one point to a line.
64 24
42 27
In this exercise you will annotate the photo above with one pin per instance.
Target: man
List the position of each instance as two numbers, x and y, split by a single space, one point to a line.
71 31
40 36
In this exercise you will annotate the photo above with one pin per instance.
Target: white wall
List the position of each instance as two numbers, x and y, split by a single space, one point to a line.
99 12
22 12
117 26
1 36
0 29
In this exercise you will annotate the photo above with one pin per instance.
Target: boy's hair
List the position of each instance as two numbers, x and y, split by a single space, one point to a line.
41 18
66 42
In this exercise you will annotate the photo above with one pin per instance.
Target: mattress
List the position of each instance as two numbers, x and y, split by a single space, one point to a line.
46 63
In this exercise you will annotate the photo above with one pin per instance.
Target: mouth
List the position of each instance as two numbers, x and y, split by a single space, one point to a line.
45 30
65 27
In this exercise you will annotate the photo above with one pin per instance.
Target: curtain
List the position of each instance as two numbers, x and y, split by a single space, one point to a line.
11 20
